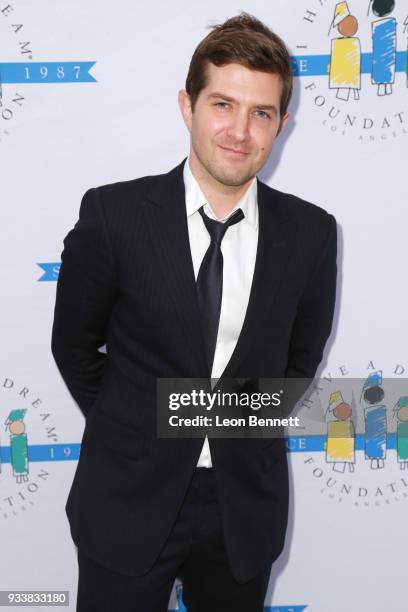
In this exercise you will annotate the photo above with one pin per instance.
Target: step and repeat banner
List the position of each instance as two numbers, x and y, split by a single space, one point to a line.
88 96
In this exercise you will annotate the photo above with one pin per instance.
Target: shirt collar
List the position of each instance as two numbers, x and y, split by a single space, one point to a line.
195 199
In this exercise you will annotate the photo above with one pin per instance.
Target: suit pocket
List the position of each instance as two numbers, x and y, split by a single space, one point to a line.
273 452
115 435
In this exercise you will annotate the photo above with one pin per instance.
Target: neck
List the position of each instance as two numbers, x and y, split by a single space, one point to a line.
222 198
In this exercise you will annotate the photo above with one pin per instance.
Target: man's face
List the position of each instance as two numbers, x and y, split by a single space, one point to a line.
236 118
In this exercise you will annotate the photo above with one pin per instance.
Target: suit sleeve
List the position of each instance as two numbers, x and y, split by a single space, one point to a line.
85 297
314 317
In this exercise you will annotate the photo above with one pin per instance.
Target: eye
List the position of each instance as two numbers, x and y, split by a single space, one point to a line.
221 105
262 114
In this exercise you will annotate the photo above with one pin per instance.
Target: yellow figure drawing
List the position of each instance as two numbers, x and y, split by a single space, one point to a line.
340 446
345 62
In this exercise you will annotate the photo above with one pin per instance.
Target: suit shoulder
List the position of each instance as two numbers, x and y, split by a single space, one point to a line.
123 190
299 210
122 200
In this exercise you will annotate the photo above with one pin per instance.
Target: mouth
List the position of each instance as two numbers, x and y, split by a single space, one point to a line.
237 153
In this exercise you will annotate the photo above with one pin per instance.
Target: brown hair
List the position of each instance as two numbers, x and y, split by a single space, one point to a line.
241 40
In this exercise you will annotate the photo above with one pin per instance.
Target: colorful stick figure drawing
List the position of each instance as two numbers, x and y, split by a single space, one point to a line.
18 444
384 36
375 419
405 30
345 59
401 412
180 604
340 446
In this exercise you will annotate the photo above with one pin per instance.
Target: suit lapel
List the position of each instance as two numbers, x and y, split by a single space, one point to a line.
166 219
273 250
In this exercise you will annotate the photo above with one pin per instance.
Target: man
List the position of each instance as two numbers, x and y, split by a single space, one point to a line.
140 273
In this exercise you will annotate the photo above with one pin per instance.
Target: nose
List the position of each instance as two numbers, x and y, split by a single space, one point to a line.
238 130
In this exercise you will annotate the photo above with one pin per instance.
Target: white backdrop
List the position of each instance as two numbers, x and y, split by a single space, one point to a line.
62 132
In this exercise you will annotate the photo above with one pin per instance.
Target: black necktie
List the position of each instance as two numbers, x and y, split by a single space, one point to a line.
209 279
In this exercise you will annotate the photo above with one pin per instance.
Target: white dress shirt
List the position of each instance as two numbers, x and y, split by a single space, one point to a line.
238 248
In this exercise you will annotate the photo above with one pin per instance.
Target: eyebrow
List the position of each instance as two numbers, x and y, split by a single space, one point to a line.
270 107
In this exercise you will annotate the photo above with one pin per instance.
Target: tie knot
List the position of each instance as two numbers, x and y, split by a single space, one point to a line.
217 229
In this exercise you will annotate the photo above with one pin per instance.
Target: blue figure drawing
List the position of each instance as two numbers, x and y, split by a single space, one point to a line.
384 37
375 420
180 605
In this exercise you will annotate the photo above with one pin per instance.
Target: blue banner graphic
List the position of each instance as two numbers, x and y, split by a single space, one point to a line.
284 608
51 271
46 452
70 451
46 72
78 72
319 65
182 608
298 444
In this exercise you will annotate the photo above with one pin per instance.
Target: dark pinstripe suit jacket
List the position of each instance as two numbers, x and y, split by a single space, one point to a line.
127 280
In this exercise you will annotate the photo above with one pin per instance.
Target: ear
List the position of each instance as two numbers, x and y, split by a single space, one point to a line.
185 107
282 123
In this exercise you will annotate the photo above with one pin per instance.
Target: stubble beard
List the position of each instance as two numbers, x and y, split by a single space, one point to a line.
227 178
